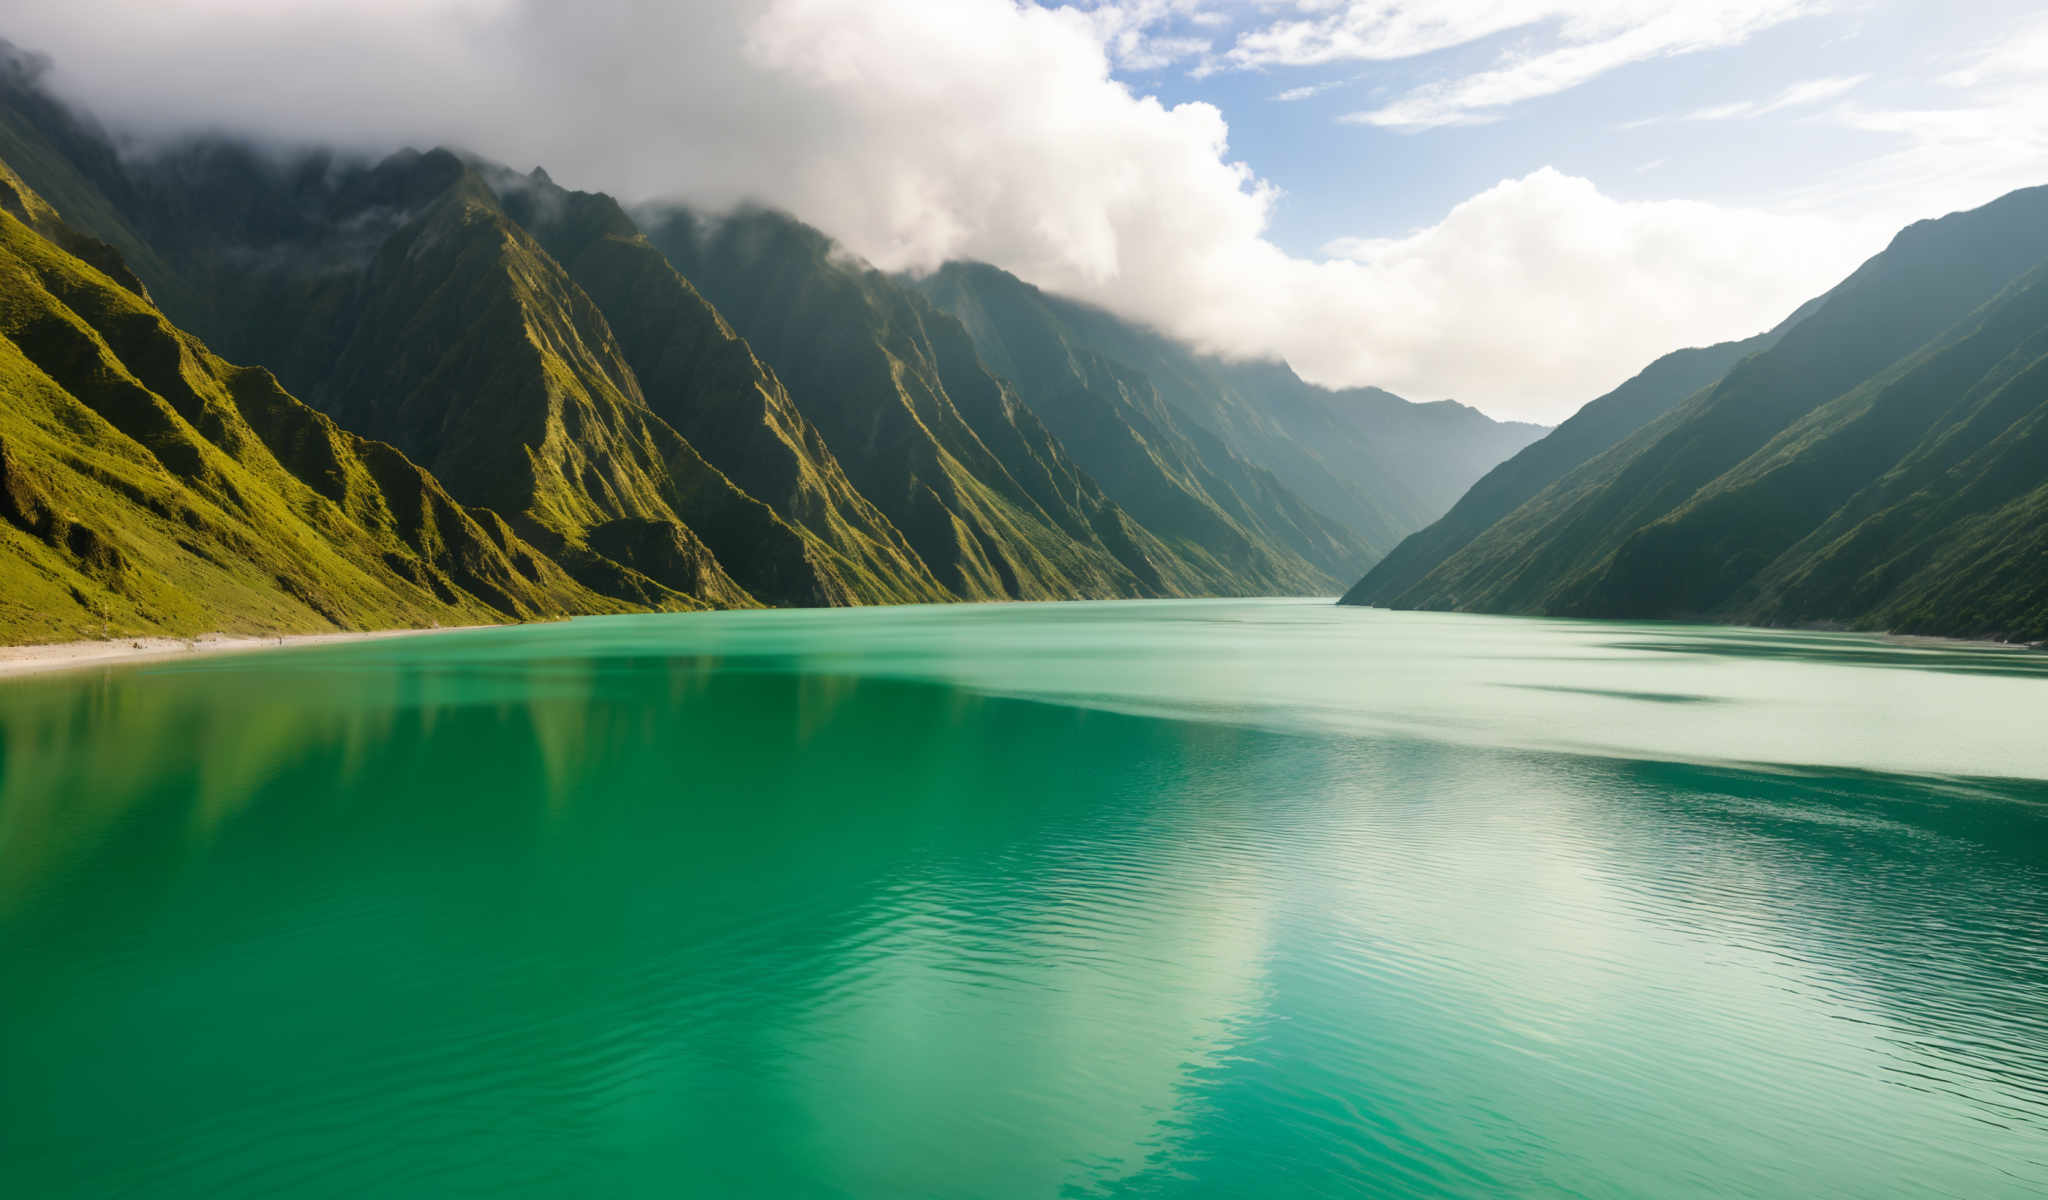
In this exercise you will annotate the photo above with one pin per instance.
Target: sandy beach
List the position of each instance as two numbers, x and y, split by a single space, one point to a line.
68 656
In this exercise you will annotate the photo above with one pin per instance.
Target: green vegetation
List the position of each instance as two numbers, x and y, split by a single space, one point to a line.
1881 465
1376 466
148 486
1656 390
700 377
545 359
1232 519
986 495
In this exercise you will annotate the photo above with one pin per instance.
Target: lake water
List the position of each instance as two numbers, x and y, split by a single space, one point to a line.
1214 898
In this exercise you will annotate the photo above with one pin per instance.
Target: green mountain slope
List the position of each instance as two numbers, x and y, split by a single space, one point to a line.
1651 393
476 354
146 485
700 377
985 493
1879 466
417 303
402 298
1377 465
1176 477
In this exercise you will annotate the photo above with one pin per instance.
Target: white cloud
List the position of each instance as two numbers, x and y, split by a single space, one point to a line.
1321 31
1799 95
1593 37
1142 35
1304 91
2022 55
922 130
1982 132
1543 292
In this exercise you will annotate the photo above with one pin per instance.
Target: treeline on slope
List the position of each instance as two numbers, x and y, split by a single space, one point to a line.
1879 461
732 412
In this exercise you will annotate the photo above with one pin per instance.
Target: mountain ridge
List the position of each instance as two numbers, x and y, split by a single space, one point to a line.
147 485
1779 493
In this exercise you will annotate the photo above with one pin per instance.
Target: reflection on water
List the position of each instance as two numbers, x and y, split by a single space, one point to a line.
1120 900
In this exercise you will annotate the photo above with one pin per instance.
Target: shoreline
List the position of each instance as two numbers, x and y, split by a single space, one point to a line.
50 657
44 658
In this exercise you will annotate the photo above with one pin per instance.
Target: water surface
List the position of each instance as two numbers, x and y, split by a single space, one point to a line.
1138 899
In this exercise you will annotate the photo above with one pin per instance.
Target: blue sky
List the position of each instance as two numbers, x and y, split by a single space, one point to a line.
1627 129
1512 203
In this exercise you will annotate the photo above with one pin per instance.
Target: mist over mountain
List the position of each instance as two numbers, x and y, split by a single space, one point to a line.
676 410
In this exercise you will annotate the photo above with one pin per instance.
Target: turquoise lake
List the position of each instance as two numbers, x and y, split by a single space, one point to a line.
1159 899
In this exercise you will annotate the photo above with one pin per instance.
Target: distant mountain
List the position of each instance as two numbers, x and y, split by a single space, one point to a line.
1380 466
1656 390
1879 464
1169 470
146 485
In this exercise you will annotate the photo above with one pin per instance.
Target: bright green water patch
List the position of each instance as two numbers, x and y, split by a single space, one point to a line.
1173 899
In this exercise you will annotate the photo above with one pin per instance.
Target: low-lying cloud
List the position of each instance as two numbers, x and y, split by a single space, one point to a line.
922 130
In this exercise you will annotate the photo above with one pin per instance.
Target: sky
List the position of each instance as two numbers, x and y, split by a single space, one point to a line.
1512 203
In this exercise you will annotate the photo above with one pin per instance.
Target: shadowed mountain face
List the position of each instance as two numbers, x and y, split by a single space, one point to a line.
1377 466
1171 472
1879 464
1656 390
146 485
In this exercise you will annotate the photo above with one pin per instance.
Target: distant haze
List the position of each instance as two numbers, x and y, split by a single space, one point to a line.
922 130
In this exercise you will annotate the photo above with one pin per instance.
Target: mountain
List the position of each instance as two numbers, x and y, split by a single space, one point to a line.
148 486
700 377
404 300
1651 393
1880 465
678 412
540 356
1170 472
1379 466
989 497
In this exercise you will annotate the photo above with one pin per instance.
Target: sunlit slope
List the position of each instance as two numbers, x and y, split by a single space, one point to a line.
1879 466
701 378
402 297
990 499
148 486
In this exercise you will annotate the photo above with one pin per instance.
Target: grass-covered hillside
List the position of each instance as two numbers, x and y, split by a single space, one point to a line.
148 486
1881 464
